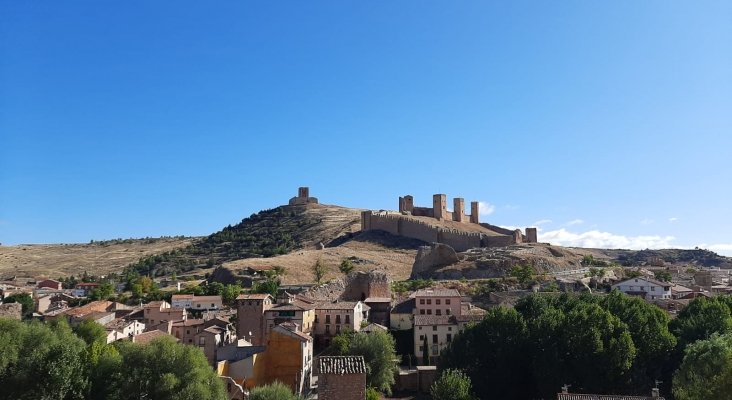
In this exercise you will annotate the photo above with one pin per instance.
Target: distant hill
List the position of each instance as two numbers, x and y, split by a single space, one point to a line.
268 233
96 258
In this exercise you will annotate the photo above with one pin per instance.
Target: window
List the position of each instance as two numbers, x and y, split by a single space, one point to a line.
447 311
201 341
449 337
653 288
348 319
212 305
438 312
449 328
435 350
447 301
421 311
421 301
327 319
429 301
642 288
188 332
421 337
286 313
437 302
338 319
421 348
327 329
434 327
316 318
434 338
338 329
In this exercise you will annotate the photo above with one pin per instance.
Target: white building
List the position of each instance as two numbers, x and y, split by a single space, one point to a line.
182 301
649 289
207 303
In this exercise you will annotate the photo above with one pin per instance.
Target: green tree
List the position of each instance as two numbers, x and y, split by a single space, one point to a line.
39 361
663 276
702 318
523 273
102 292
164 369
319 270
230 293
268 286
452 385
91 332
706 372
346 266
425 351
25 300
274 391
214 289
378 351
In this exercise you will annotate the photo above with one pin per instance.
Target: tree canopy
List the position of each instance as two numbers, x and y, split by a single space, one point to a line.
706 372
452 385
378 351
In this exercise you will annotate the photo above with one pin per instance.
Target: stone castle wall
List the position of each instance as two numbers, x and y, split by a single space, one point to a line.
411 228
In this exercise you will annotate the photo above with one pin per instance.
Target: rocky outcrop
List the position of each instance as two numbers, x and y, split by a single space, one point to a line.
11 310
429 258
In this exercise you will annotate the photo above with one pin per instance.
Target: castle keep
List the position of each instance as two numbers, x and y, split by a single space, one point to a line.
303 197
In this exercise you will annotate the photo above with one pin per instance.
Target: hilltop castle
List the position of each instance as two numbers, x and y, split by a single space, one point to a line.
439 209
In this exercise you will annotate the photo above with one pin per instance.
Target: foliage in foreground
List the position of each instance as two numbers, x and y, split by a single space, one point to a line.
49 361
378 351
452 385
706 372
274 391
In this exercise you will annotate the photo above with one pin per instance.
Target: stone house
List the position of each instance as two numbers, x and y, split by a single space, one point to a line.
186 330
334 317
120 329
182 301
157 312
402 315
84 289
647 288
437 302
341 378
293 309
250 309
243 363
437 331
289 358
206 303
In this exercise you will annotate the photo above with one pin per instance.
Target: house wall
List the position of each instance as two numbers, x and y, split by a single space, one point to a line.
342 387
182 303
435 347
328 326
250 318
285 361
401 322
436 305
653 291
207 304
304 319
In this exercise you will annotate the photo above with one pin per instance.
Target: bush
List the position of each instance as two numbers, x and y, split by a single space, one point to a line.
273 391
452 385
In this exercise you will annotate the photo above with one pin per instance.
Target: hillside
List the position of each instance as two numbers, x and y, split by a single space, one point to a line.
267 233
97 258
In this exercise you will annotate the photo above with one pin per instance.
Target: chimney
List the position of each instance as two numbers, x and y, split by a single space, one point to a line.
655 393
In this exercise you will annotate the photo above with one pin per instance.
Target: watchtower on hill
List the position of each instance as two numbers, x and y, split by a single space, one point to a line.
303 197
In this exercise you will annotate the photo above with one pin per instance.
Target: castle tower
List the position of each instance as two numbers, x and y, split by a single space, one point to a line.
406 204
439 206
250 321
531 236
303 192
458 212
474 211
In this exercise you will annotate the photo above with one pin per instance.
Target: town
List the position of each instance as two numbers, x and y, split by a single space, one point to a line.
258 332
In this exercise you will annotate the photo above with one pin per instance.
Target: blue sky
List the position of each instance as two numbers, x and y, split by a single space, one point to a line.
605 123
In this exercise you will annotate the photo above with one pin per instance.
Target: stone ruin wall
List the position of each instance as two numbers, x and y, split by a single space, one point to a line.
353 287
458 240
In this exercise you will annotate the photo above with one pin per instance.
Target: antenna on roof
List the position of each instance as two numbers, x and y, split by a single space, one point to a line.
657 383
565 388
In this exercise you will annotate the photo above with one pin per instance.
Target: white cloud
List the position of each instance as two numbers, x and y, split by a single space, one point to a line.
542 222
646 221
575 222
673 219
724 249
485 208
511 207
607 240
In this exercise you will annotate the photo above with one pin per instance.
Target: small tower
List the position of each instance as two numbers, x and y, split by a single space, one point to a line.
458 212
474 212
439 206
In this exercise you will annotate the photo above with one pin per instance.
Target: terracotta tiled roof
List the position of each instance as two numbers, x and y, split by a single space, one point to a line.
207 298
405 307
182 296
437 293
423 320
94 306
341 365
336 305
253 296
286 329
571 396
147 337
189 322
